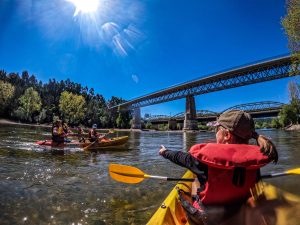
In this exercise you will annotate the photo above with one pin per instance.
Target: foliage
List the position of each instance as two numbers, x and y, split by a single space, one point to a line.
148 125
163 127
123 117
288 115
290 112
275 123
6 93
291 24
29 105
202 126
95 110
72 107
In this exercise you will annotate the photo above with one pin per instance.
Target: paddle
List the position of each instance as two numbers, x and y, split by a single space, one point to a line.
295 171
133 175
93 143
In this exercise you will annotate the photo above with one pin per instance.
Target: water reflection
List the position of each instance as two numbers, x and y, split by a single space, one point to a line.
40 188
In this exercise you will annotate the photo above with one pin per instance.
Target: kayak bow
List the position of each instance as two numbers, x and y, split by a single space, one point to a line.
277 207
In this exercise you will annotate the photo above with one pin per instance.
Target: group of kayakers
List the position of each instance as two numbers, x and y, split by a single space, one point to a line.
60 132
226 170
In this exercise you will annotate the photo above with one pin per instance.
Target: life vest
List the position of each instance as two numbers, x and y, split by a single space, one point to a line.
58 138
232 170
93 135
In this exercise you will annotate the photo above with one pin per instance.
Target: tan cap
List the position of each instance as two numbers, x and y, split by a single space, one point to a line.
237 122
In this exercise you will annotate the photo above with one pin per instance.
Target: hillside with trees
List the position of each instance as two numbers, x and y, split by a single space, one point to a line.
25 99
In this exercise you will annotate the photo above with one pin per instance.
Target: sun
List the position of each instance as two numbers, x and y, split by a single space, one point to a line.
85 6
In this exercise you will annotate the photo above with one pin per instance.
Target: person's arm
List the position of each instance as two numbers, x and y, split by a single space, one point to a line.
183 159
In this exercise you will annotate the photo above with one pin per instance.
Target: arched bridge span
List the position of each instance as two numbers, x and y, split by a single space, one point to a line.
256 110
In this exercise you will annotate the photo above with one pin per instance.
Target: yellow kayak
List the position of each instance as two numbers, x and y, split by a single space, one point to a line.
271 207
108 143
103 143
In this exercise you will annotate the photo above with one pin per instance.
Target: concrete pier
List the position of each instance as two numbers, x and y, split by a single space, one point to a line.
136 119
190 118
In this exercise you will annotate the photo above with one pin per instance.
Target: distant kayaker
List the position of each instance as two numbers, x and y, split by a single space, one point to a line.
93 134
227 169
80 134
58 134
67 131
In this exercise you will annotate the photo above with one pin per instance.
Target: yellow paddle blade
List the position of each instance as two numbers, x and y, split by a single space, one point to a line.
126 174
293 171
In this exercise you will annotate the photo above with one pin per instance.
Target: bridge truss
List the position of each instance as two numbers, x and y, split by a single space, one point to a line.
255 73
255 107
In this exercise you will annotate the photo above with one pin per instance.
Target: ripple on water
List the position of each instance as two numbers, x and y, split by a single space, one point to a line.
76 188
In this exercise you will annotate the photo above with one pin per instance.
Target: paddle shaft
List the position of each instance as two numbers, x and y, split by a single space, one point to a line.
91 144
266 176
276 175
133 175
168 178
126 174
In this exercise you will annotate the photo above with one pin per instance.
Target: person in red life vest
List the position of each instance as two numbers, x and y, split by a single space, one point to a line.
58 135
226 170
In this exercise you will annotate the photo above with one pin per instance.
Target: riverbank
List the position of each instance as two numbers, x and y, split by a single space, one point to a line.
5 121
293 127
10 122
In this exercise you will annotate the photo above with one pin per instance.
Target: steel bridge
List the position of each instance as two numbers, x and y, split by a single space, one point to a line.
256 110
262 71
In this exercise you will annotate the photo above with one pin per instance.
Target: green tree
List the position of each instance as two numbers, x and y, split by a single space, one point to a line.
96 108
114 114
6 93
288 115
275 123
29 105
72 107
291 24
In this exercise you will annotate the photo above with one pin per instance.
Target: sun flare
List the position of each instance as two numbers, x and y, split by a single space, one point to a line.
85 6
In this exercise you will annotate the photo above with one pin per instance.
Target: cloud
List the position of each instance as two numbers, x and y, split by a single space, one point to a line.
135 78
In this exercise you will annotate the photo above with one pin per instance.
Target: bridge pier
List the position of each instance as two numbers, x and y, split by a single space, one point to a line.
190 118
172 124
136 119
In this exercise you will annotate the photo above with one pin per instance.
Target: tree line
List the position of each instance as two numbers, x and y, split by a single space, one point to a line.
23 98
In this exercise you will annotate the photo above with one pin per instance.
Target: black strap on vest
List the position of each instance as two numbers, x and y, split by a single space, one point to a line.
239 176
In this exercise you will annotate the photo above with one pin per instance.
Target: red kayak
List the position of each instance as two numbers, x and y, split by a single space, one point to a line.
104 143
65 144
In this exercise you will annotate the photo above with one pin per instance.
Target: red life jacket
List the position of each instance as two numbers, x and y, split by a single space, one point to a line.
232 171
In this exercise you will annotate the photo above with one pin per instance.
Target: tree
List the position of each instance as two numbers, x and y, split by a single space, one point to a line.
275 123
6 93
288 115
29 104
294 92
124 116
72 107
291 24
96 110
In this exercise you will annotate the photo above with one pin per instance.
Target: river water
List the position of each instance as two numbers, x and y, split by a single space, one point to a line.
38 187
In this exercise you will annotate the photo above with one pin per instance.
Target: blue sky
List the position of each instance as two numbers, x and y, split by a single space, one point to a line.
131 48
